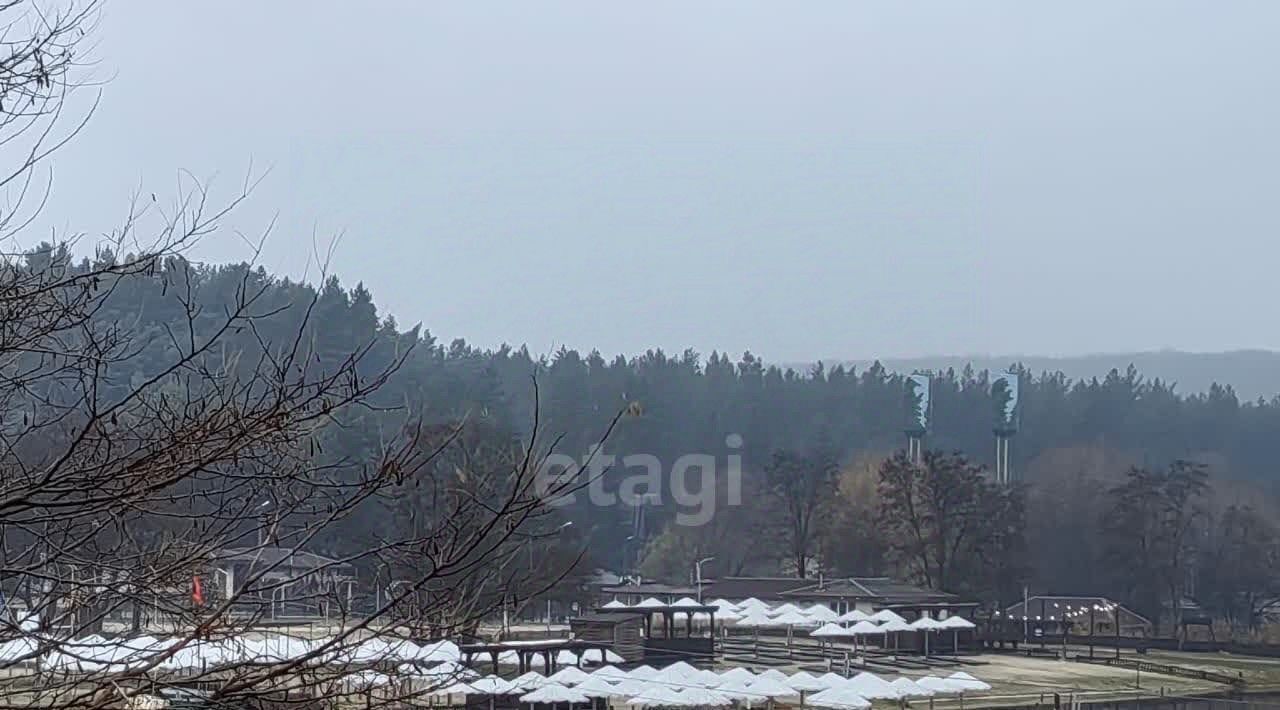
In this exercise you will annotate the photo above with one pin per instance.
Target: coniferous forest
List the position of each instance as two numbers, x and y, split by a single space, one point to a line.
1085 449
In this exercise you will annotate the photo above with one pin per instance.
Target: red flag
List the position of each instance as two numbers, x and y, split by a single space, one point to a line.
197 593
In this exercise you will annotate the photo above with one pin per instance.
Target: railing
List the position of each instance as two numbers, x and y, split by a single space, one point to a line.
1165 669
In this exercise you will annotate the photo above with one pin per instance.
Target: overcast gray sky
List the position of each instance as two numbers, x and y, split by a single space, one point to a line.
807 180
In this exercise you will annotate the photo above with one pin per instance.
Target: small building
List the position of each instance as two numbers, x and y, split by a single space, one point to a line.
622 633
303 579
1084 615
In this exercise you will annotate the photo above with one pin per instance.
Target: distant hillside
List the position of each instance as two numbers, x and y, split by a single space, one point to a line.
1252 373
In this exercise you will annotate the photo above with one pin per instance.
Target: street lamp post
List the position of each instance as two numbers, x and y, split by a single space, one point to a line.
698 574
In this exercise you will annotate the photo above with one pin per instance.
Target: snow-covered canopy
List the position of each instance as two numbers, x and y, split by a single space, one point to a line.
822 613
554 693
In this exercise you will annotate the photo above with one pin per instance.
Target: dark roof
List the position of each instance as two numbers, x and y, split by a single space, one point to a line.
880 589
759 587
604 617
650 588
273 556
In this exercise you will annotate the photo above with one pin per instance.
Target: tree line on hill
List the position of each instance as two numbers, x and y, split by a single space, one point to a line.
1078 445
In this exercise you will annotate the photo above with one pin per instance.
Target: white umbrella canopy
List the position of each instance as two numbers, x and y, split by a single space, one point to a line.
852 616
839 698
679 669
787 608
967 682
908 688
565 657
645 672
864 627
509 658
650 603
493 685
821 612
752 603
613 657
774 674
956 622
596 687
737 688
554 693
794 618
610 673
685 602
806 682
568 676
754 619
894 626
615 604
926 623
831 630
873 687
770 688
833 680
737 674
940 686
701 697
656 694
885 615
440 651
723 605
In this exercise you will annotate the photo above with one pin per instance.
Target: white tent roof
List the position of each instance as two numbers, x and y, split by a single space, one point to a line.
895 625
873 687
568 675
679 669
833 680
493 685
685 602
455 689
615 604
610 673
775 674
724 605
939 685
908 688
926 623
885 615
755 619
650 603
752 603
821 612
806 682
701 697
738 674
793 618
863 628
853 615
840 698
554 693
597 687
645 672
785 609
655 694
768 687
957 622
565 657
967 682
831 630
